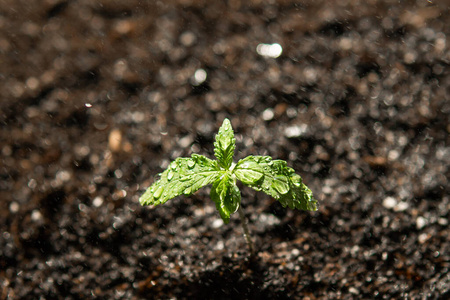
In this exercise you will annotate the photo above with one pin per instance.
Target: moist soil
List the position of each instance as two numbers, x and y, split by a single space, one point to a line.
97 97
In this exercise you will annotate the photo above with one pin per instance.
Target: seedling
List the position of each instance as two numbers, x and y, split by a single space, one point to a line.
186 175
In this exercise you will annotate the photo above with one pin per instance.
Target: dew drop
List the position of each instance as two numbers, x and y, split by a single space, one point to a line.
191 164
170 175
187 191
173 165
296 180
281 184
185 178
268 159
158 192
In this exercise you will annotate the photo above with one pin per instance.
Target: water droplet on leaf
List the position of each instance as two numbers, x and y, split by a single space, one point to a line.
280 184
185 178
296 180
191 164
158 192
170 175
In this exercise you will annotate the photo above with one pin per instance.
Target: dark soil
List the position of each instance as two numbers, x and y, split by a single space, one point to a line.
98 96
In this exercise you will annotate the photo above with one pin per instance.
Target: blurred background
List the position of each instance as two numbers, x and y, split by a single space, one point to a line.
97 97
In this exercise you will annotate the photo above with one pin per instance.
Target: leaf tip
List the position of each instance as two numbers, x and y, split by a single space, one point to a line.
144 199
226 121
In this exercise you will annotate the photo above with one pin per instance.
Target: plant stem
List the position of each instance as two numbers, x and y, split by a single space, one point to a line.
246 231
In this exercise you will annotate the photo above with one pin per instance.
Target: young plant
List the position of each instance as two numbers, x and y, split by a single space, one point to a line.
186 175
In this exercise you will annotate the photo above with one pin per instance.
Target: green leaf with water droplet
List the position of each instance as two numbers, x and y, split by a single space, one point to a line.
183 176
191 164
248 171
170 175
225 144
226 196
281 184
158 192
277 180
262 173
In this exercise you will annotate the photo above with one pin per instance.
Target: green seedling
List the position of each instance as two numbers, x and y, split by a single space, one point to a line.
186 175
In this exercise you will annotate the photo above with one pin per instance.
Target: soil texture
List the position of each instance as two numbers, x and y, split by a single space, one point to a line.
97 97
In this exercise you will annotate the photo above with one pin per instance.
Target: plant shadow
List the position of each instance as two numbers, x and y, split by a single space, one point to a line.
235 279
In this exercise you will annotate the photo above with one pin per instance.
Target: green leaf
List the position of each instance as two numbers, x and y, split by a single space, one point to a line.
276 179
249 172
262 173
224 145
183 176
226 195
